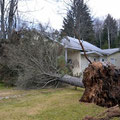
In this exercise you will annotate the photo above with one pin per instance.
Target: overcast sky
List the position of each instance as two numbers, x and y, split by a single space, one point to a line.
45 11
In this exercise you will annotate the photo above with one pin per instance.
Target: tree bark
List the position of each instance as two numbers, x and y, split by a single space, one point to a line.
74 81
10 19
2 19
13 8
108 37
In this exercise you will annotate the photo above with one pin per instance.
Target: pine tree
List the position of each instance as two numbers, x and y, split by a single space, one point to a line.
68 25
110 32
79 19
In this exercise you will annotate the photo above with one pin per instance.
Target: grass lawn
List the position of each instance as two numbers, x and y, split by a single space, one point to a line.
46 104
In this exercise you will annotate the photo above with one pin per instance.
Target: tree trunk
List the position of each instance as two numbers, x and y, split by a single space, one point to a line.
10 19
13 9
2 19
72 80
108 30
51 78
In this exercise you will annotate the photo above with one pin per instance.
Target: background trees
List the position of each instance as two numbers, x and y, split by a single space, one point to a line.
68 24
104 33
109 32
98 29
8 17
78 19
2 6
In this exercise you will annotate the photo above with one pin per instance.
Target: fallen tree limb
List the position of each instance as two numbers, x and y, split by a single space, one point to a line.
82 47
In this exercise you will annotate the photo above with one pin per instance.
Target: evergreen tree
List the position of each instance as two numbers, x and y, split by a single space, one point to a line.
118 33
68 25
79 19
118 41
109 32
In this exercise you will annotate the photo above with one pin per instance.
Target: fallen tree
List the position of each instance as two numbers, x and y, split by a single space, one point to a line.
49 80
102 84
74 81
37 61
102 87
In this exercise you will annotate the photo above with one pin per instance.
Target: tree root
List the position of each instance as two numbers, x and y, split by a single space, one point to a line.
106 115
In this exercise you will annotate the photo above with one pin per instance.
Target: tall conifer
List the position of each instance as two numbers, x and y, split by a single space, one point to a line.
79 19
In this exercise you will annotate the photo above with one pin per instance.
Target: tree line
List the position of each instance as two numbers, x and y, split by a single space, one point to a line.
29 56
102 33
9 10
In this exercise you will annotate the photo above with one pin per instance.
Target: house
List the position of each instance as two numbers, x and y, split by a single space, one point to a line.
75 55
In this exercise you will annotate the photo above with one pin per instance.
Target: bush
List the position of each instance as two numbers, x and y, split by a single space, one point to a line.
63 67
8 76
36 55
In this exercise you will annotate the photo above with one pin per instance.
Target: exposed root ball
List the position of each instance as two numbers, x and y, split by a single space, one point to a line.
102 84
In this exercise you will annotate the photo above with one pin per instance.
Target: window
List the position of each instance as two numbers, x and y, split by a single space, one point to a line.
103 60
112 60
69 61
95 59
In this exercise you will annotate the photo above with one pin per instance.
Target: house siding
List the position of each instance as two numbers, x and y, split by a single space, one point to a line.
78 60
114 59
75 56
103 59
85 63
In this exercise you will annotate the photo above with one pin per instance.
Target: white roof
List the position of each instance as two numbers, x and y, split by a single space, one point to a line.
111 51
73 43
92 52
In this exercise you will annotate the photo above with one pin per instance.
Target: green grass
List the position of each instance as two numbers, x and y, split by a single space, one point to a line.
46 104
2 86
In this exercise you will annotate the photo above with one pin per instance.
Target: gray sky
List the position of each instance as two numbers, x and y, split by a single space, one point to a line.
45 11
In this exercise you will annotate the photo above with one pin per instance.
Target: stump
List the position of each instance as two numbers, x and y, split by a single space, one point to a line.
102 84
